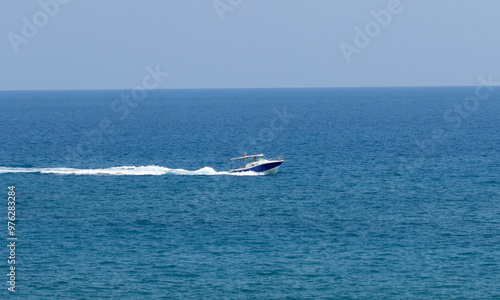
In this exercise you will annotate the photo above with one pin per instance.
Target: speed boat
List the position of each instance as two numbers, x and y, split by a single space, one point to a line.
258 163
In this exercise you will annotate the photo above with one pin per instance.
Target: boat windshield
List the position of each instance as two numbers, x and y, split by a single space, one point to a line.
257 158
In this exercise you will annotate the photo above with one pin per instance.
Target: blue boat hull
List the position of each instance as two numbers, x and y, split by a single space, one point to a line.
268 168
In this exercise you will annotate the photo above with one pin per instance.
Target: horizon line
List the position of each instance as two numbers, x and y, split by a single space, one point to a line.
244 88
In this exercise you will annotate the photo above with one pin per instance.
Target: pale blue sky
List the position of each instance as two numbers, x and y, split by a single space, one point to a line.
259 43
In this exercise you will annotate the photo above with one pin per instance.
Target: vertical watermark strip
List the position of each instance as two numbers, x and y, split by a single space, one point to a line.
12 239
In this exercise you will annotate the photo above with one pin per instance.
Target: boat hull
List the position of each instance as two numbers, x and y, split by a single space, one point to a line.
266 168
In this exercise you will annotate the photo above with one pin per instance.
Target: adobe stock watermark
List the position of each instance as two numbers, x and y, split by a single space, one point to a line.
266 135
470 104
224 6
372 29
30 27
454 117
121 108
252 145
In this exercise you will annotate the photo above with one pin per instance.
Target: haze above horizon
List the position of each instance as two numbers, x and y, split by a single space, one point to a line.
69 45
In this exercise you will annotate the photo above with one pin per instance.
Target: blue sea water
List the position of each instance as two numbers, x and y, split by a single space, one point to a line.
385 193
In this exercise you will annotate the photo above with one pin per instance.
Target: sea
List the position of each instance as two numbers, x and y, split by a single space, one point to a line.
385 193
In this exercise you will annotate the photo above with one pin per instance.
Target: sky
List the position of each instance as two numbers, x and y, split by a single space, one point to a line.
95 44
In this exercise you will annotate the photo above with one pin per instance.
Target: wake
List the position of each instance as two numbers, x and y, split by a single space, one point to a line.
125 170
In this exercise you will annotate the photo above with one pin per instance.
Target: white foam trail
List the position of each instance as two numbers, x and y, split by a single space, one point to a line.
125 170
